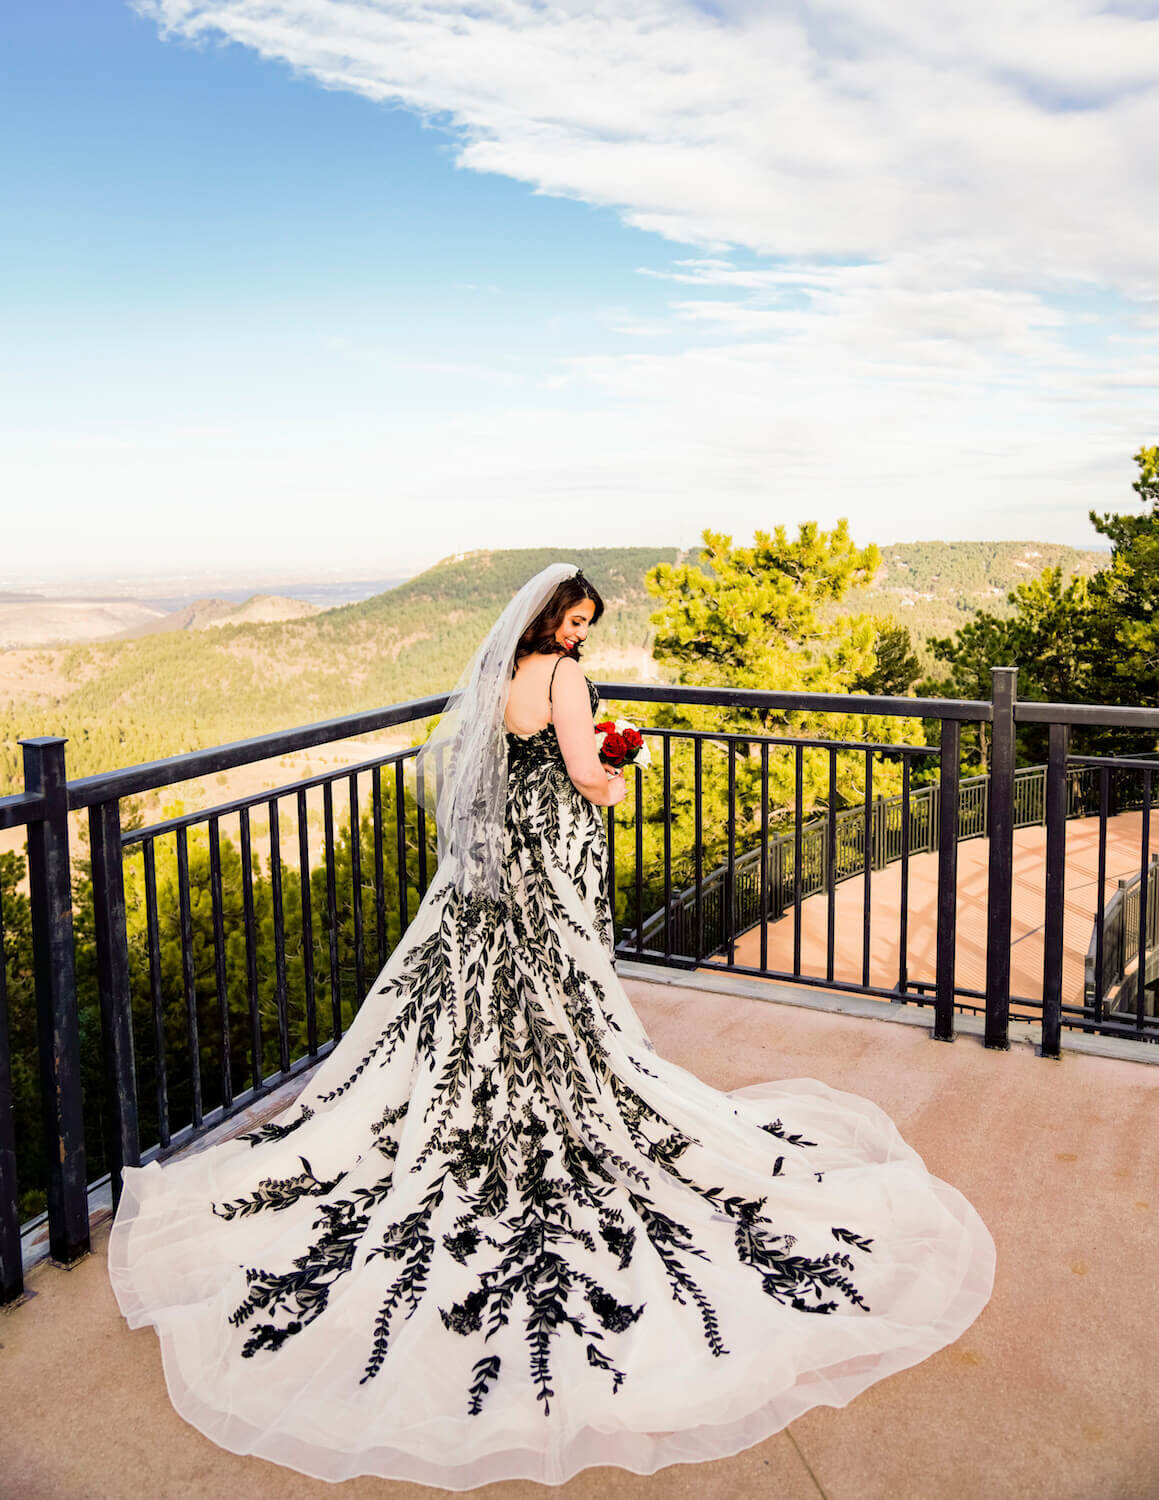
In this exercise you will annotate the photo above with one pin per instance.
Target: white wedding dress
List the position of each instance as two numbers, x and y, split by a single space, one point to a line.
498 1237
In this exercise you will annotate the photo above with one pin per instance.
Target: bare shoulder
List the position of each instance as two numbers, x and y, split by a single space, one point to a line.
568 672
535 666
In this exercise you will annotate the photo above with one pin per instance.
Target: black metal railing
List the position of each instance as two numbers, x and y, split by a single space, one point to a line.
902 825
1115 942
1072 785
219 952
181 1049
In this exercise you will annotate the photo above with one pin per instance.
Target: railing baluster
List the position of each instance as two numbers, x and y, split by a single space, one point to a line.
192 1032
764 913
356 887
219 960
1144 886
379 865
421 826
903 897
1003 688
730 878
257 1071
639 830
1055 891
831 872
279 937
153 938
867 864
400 849
949 760
332 913
798 849
1101 893
122 1142
698 834
11 1257
307 898
667 848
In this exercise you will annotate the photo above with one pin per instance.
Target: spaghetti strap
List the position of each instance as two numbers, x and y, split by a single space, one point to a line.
551 681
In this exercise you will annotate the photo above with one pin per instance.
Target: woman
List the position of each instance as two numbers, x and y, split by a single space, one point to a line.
497 1236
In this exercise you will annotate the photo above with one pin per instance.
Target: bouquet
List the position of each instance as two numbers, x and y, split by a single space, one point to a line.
621 744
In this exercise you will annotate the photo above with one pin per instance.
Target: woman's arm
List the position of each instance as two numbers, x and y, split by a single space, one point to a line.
575 730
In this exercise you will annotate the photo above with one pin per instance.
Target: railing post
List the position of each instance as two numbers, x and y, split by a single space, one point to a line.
948 767
57 1029
1145 883
1003 687
113 983
1055 891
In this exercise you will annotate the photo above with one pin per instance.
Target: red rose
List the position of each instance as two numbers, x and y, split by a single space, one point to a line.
607 727
632 738
615 751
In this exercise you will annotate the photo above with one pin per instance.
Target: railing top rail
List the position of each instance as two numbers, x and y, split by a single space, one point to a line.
838 703
20 809
152 775
1114 762
148 777
788 741
1100 714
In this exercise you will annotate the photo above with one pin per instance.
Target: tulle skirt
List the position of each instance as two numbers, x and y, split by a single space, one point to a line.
498 1237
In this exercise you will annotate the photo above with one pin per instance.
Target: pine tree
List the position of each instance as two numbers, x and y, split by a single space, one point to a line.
760 617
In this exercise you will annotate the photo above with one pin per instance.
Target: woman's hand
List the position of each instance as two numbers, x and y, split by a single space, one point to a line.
617 788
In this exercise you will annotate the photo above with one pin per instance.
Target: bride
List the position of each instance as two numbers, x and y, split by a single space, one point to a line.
497 1236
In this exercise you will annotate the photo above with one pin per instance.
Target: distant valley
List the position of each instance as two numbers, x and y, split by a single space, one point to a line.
35 619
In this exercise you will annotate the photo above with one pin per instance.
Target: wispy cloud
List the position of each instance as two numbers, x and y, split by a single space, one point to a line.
1006 138
907 218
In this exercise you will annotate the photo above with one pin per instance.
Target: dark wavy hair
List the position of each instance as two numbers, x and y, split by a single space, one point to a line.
539 637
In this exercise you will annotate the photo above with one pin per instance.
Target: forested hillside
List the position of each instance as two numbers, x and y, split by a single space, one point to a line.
127 701
950 568
120 702
934 587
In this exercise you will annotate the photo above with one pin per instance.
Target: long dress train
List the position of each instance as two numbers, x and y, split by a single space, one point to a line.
498 1237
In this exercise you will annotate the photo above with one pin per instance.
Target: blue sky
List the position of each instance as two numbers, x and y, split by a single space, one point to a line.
316 285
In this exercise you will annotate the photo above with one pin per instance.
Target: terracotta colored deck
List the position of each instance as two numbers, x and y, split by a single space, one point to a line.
1052 1393
1124 838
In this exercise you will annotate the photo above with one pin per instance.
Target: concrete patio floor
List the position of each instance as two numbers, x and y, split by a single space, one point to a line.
1053 1392
1123 860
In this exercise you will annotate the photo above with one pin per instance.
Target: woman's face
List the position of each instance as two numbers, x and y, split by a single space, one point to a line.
573 630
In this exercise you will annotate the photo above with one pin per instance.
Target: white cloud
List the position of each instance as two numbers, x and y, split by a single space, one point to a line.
921 230
1006 137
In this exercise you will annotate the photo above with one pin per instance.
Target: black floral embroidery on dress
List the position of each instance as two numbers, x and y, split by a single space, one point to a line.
275 1132
777 1129
279 1192
538 1158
